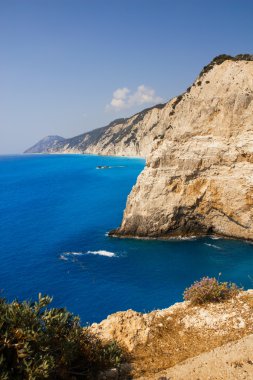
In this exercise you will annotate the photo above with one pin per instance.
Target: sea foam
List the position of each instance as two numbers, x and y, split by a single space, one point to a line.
74 253
213 246
102 253
66 255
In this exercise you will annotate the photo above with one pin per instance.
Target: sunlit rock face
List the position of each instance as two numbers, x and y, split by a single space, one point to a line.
199 173
133 136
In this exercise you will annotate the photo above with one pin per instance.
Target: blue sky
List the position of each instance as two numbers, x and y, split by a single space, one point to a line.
69 66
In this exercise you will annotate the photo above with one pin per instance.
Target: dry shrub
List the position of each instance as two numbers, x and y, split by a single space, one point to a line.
210 290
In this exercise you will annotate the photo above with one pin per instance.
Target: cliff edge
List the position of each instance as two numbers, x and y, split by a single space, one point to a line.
162 343
198 177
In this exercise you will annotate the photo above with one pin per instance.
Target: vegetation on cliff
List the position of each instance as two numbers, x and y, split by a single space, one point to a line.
224 57
210 290
37 342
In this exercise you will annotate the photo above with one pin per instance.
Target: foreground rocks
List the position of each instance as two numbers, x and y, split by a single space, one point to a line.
162 339
232 361
198 178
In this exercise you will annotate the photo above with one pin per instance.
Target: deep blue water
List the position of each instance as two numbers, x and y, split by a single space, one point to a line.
54 206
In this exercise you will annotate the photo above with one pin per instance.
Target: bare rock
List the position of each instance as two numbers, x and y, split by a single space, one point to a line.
164 338
198 179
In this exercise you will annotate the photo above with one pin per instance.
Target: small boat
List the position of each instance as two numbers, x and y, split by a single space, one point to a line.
103 167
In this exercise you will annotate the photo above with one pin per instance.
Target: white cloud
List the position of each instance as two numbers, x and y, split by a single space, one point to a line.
123 98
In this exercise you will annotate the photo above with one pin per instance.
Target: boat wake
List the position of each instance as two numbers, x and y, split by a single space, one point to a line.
109 167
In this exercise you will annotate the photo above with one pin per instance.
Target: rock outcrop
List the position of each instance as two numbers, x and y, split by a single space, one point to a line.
198 177
133 136
164 338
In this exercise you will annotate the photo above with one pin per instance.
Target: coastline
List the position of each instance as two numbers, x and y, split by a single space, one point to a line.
113 234
81 154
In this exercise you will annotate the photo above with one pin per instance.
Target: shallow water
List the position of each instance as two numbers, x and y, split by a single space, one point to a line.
54 215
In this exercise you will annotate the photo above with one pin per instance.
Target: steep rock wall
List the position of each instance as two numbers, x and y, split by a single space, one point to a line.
199 175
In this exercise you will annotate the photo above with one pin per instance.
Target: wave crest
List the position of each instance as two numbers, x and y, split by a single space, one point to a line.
66 255
102 253
213 246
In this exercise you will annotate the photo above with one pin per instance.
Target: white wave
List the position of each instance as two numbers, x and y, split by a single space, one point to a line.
62 257
73 253
192 237
67 255
213 246
102 253
215 237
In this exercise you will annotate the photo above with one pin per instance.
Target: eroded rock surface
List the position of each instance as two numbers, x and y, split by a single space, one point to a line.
198 178
232 361
163 338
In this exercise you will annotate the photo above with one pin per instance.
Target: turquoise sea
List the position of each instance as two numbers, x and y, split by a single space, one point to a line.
55 212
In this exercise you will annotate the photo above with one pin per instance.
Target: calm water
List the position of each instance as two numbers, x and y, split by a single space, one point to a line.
54 215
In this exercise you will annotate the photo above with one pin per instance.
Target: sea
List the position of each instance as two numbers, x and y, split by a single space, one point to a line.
55 214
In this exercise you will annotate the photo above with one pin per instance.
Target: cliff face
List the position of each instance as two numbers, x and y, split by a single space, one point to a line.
198 178
133 136
199 149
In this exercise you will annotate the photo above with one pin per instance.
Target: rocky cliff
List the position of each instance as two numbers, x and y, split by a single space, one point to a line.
133 136
198 177
199 149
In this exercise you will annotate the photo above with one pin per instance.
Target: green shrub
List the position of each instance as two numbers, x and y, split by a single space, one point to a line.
177 101
210 290
37 342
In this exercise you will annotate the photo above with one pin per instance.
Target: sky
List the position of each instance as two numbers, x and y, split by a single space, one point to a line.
69 66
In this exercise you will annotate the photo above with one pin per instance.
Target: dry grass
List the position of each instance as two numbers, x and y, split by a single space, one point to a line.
171 343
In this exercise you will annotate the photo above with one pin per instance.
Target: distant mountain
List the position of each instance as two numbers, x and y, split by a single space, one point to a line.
133 136
45 144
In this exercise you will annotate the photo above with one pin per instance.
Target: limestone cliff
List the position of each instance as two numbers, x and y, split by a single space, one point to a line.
133 136
199 175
